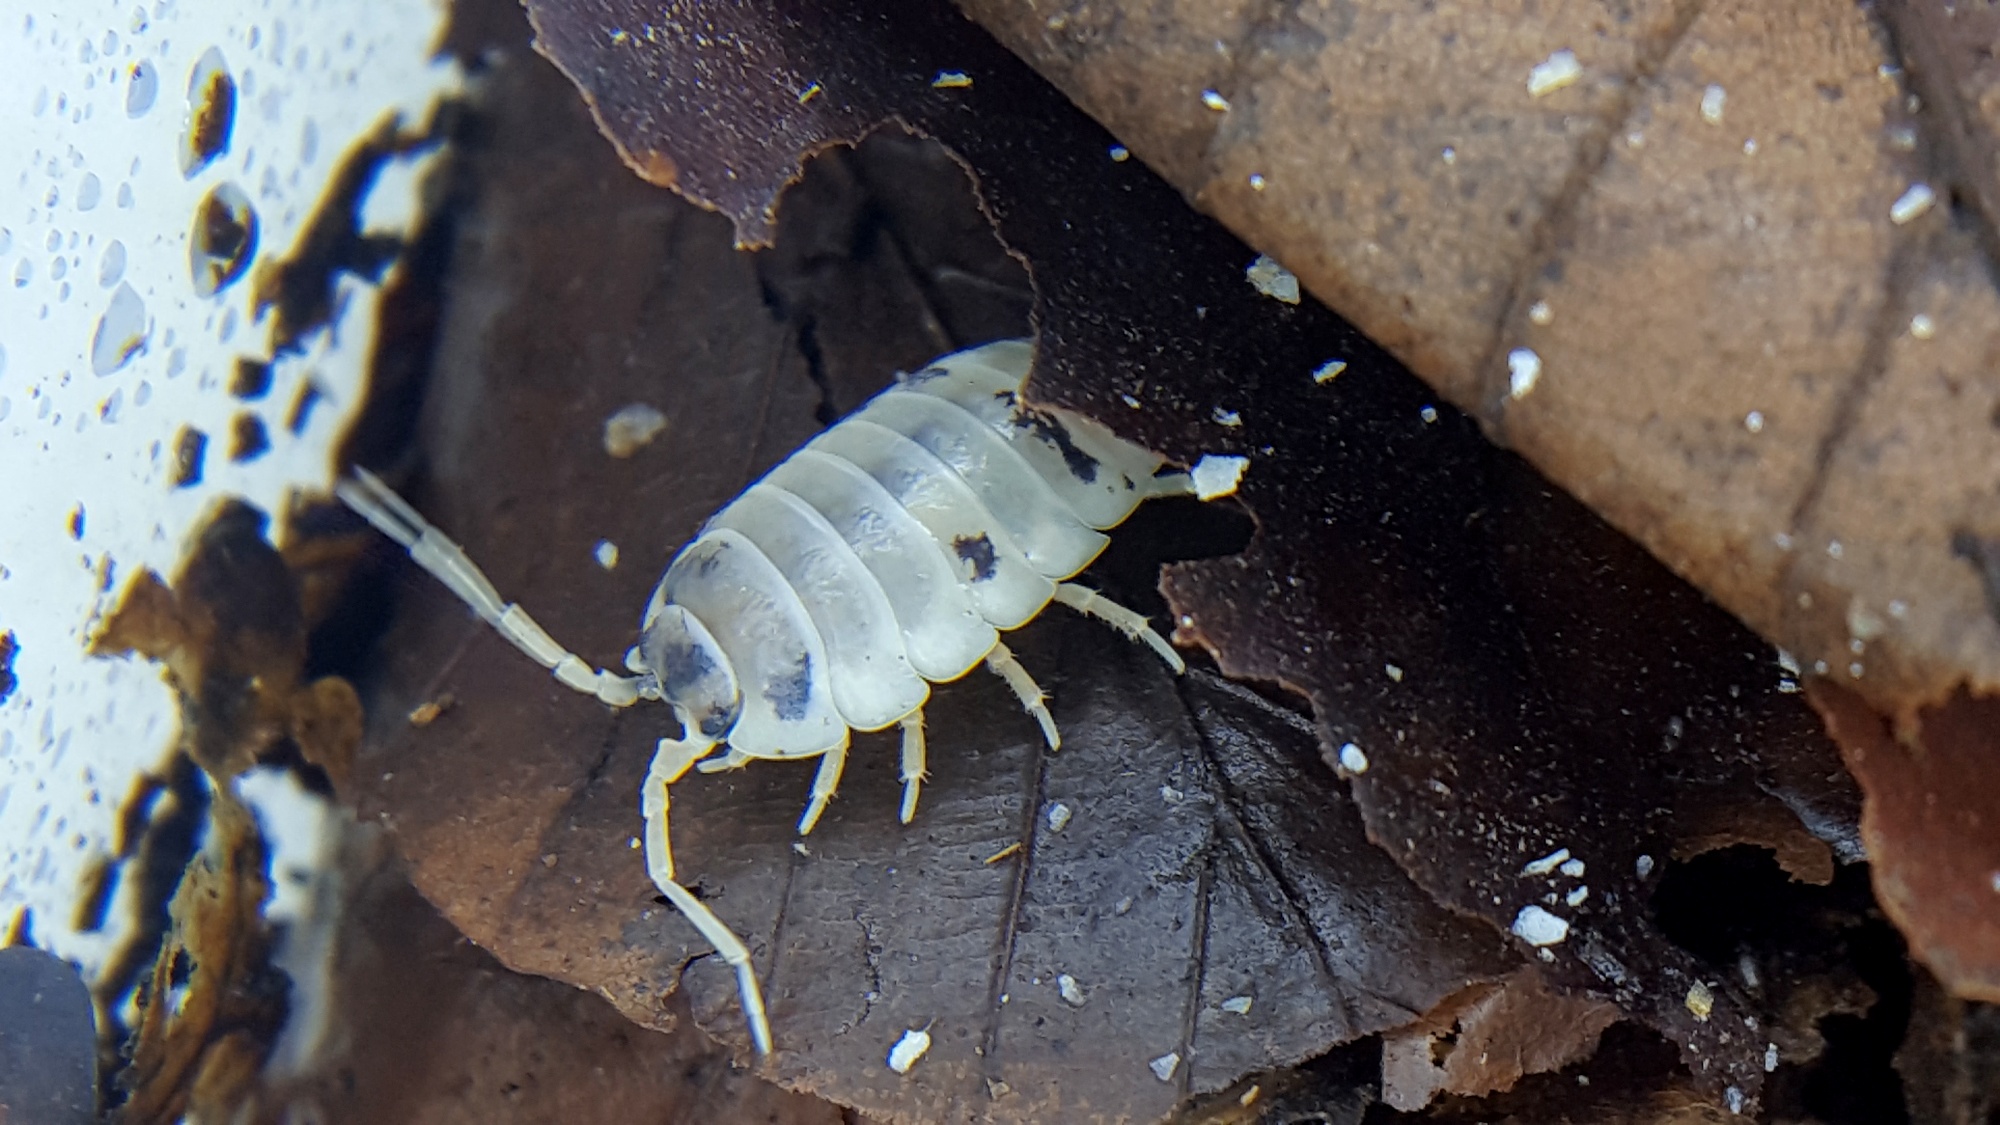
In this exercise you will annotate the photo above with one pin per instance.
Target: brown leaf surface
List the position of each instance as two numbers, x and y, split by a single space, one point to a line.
1674 273
1209 855
1524 679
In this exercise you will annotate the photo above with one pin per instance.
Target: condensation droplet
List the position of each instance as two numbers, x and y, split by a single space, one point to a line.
224 239
142 89
89 192
125 196
24 272
121 331
58 268
211 112
111 267
6 240
309 141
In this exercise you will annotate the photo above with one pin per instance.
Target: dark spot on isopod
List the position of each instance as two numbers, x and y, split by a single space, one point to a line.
9 647
791 692
211 113
252 379
76 522
1082 465
977 550
302 407
188 450
224 239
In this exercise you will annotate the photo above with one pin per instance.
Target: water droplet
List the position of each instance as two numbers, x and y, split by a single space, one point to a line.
308 141
121 331
224 239
53 242
24 272
89 192
125 196
142 89
6 240
111 267
211 112
58 267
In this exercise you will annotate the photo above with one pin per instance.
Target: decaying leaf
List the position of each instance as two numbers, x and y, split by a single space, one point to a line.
1522 680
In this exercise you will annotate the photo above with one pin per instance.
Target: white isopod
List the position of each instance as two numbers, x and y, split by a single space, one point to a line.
887 554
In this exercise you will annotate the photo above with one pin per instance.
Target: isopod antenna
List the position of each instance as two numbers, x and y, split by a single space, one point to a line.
447 562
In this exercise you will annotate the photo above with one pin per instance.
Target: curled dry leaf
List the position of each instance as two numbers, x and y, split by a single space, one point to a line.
1524 679
1764 347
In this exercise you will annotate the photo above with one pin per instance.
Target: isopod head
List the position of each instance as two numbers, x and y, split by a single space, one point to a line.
689 670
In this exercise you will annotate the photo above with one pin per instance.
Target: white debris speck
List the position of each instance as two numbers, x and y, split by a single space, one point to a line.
628 431
1352 759
1996 882
1735 1098
1750 146
1449 155
1754 421
951 80
606 554
1059 815
1237 1005
1855 669
1635 139
1163 1067
1257 181
1171 795
1395 672
1553 73
1524 368
799 846
1712 101
1214 100
1547 863
1130 401
1226 417
1700 1000
1644 866
1539 927
1120 154
1216 475
1572 868
1898 607
1540 313
1912 203
1273 280
1328 371
1863 624
1788 662
1902 138
1922 326
909 1049
810 92
1577 896
1746 967
1770 1057
1071 994
633 843
1429 414
1833 549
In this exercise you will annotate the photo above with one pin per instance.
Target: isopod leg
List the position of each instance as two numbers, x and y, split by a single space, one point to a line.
671 759
1090 603
733 760
825 780
1002 663
913 761
447 562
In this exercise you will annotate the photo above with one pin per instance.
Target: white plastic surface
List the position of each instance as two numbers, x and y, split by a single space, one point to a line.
107 351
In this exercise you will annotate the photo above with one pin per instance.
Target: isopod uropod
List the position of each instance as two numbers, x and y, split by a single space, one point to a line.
887 554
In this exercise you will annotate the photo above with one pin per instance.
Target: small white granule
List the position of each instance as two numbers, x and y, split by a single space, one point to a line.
1538 927
1394 671
1712 101
1171 795
1750 147
1572 868
1449 155
1912 203
1163 1067
1214 100
1237 1005
1273 280
1524 369
1754 421
909 1049
1770 1057
1257 181
1922 326
1735 1099
1547 863
1071 994
1059 815
952 80
1120 154
1700 1000
1226 417
1576 897
1540 313
627 431
1553 73
1330 370
606 553
1644 866
1216 475
1429 414
1352 759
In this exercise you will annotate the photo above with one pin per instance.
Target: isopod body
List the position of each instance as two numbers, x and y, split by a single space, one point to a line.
888 554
